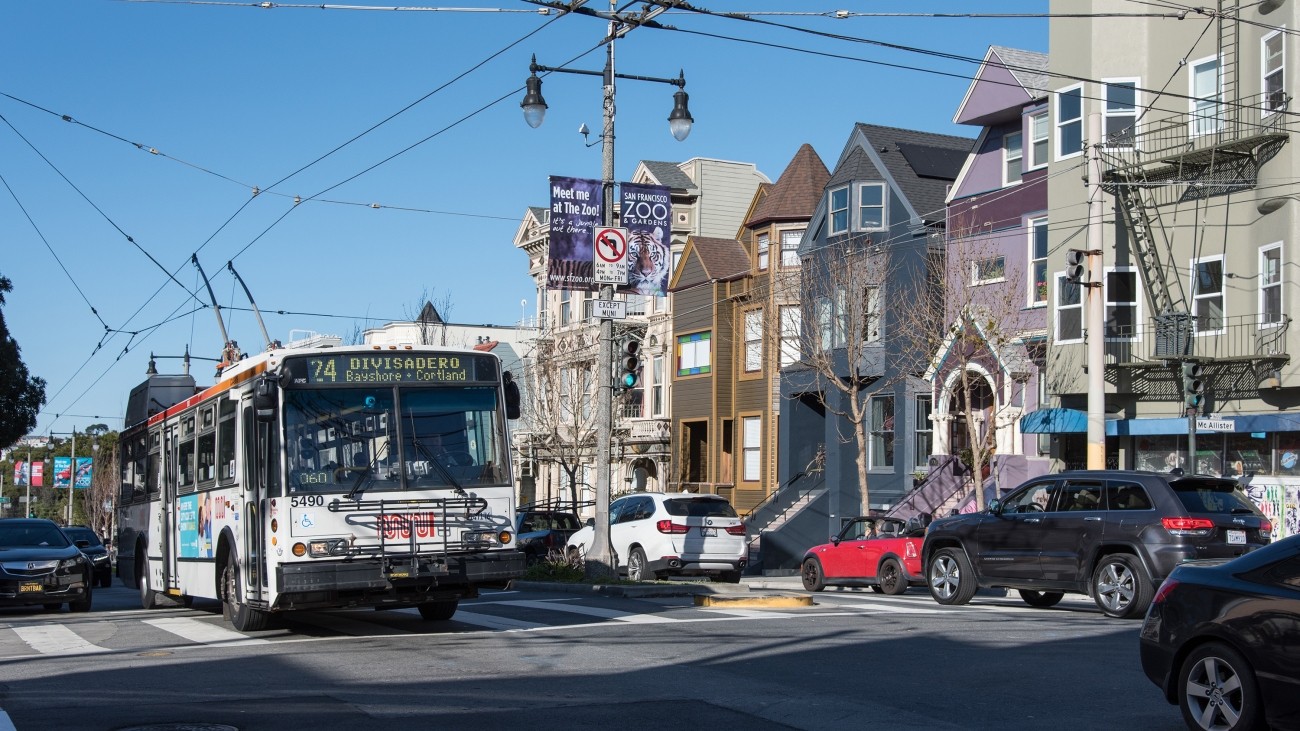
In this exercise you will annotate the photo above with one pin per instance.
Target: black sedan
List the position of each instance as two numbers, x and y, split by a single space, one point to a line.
1222 640
88 541
39 564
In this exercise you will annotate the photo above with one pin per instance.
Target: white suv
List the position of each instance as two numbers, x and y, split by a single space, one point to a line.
657 534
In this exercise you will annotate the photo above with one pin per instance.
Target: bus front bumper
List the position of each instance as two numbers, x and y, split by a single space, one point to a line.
392 579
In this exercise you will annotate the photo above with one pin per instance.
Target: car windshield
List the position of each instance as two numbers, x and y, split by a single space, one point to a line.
549 521
83 534
699 507
1203 496
32 535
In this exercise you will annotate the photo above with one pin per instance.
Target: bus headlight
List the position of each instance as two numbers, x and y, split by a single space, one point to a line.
328 547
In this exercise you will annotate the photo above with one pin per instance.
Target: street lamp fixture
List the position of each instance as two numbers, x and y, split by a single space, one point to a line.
680 121
534 105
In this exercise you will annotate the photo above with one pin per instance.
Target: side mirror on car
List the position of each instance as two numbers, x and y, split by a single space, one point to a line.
995 506
590 522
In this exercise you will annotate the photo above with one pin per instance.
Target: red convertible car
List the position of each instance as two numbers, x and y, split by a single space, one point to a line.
883 553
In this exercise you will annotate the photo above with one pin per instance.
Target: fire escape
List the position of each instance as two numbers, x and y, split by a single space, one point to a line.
1214 150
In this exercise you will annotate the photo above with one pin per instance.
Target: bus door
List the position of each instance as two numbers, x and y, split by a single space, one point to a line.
167 506
258 461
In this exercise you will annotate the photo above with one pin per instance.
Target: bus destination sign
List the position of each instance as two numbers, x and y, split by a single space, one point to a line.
409 368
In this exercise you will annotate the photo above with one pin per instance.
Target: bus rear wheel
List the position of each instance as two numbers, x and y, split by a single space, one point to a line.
243 617
438 611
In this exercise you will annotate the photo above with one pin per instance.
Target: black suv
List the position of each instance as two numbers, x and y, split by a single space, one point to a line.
543 528
1114 535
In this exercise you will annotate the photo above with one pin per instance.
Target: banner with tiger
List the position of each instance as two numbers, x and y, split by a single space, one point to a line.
646 213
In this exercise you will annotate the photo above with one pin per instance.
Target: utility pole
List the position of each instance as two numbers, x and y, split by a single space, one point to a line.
72 476
1096 305
600 562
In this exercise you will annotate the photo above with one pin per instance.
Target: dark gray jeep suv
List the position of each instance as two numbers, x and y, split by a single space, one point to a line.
1114 535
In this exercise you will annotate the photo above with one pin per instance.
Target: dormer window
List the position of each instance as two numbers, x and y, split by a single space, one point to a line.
871 206
839 210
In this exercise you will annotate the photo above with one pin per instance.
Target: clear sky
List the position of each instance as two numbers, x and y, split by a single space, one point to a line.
234 97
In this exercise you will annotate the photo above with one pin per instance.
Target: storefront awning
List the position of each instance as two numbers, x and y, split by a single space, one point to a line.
1073 421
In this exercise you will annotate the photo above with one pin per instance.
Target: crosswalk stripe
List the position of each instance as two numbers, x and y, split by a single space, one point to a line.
750 613
491 622
203 632
55 639
601 612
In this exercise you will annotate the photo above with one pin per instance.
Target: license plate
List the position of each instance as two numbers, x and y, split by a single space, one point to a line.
31 588
1236 537
706 532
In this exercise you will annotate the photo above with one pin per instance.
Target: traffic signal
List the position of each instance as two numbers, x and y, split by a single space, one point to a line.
1076 265
1193 385
629 363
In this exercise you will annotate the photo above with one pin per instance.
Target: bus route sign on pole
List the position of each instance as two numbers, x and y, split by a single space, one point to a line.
610 257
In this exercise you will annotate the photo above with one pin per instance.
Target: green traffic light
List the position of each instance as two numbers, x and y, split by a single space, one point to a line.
629 380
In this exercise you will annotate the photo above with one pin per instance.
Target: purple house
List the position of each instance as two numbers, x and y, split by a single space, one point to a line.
986 373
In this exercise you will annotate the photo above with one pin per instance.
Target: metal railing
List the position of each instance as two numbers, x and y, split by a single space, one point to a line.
1216 126
1237 337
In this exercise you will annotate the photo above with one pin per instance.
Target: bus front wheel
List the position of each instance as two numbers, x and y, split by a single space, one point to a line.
438 611
243 617
148 598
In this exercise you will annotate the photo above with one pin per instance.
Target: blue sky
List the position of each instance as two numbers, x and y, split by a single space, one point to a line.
233 97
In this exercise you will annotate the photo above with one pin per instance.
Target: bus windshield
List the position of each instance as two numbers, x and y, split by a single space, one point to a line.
404 438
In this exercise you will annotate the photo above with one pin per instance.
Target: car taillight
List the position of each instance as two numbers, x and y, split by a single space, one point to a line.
667 526
736 530
1188 526
1265 527
1163 592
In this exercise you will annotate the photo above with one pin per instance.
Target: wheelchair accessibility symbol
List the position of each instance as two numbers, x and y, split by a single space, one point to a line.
306 521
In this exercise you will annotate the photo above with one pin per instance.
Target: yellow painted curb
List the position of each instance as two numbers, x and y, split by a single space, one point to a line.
775 602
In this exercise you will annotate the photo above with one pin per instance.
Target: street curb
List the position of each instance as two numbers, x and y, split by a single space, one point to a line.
631 591
773 601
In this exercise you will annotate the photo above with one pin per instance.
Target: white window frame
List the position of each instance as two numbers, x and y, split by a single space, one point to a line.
825 322
1036 122
924 428
1032 227
1060 124
1276 284
1215 102
975 270
1135 303
873 325
791 325
1265 73
833 211
1107 113
1010 155
753 353
1197 297
764 244
879 433
751 462
883 206
657 387
841 315
790 247
566 306
1061 289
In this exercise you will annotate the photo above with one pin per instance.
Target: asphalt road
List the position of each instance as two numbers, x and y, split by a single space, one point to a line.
537 661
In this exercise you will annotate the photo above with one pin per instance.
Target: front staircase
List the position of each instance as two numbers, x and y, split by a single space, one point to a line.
771 519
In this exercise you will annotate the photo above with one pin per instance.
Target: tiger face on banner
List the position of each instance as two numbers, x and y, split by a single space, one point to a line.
646 213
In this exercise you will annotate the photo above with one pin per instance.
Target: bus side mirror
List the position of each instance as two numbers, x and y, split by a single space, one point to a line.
264 400
512 395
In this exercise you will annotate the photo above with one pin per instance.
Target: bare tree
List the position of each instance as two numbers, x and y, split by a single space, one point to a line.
430 315
101 499
560 403
971 335
841 343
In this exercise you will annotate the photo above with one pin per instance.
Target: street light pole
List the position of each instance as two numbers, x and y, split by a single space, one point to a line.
72 476
600 561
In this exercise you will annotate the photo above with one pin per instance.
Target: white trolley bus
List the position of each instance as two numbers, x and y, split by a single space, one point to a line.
321 478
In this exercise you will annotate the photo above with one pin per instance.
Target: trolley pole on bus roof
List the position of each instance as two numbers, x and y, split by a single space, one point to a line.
600 561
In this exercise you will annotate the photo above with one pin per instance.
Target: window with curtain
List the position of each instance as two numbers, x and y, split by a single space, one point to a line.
924 430
790 248
882 431
1205 92
752 448
1270 284
1037 262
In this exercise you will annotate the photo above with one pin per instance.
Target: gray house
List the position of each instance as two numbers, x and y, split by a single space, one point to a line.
867 262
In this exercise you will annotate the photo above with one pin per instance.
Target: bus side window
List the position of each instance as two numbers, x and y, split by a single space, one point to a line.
127 465
226 441
207 449
153 483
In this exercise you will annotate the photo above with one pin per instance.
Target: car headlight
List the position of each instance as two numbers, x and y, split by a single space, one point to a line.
102 558
69 564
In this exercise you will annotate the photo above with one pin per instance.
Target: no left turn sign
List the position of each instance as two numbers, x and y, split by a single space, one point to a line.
610 259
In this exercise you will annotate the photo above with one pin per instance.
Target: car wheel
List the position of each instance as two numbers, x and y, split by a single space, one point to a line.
891 578
1217 690
1120 587
83 604
875 588
811 573
1041 598
636 567
243 617
438 611
950 577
